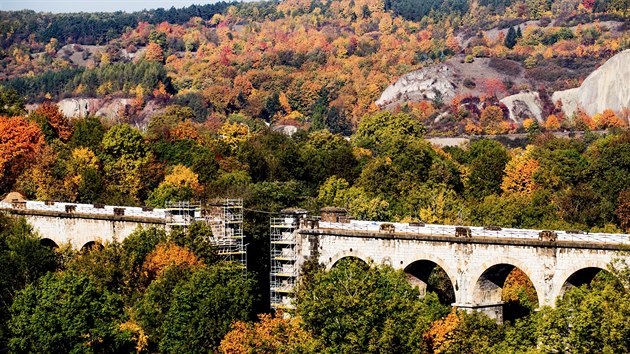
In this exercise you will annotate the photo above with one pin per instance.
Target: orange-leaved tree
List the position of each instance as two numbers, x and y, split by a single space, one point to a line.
53 117
166 255
271 334
20 141
519 288
552 122
439 335
519 173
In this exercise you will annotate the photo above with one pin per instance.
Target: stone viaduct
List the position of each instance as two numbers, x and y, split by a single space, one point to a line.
477 261
82 225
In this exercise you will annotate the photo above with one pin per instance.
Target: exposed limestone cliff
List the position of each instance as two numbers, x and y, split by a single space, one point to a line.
522 105
421 85
608 87
453 77
78 107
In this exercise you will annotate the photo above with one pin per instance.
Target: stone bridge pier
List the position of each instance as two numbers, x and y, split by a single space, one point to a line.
477 267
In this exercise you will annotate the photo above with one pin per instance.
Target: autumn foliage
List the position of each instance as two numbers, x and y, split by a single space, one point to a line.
519 174
56 119
166 255
439 335
519 288
20 142
271 334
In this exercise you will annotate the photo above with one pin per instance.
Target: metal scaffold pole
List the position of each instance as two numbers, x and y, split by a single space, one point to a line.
225 218
283 272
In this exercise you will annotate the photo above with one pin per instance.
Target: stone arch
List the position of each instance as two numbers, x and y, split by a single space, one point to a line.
47 242
490 278
92 245
346 254
576 276
419 271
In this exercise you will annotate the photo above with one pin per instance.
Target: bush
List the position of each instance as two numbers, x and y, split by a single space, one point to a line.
468 83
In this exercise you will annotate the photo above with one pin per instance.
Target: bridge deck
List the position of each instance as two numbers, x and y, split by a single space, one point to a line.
478 234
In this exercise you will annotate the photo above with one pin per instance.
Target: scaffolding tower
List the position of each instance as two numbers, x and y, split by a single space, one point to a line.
225 218
284 270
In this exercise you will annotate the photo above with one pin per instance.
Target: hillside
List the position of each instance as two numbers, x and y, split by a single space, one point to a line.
380 107
320 64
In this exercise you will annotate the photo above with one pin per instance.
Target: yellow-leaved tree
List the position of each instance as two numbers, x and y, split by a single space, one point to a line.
273 333
179 185
519 173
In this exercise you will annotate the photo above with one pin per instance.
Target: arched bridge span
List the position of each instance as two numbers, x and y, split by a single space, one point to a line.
477 261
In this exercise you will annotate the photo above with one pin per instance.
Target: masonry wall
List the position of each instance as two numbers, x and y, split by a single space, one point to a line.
79 229
464 260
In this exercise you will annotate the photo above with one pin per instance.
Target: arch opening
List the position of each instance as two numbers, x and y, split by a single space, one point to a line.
92 246
586 276
48 243
509 288
350 259
428 276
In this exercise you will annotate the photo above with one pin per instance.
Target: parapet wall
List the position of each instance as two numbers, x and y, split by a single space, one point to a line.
91 209
80 224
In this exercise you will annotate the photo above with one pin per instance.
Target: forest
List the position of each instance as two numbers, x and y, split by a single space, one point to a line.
226 80
139 293
167 293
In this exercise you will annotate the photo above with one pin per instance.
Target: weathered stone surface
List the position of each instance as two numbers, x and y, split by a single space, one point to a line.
605 88
420 85
473 265
524 105
113 107
78 107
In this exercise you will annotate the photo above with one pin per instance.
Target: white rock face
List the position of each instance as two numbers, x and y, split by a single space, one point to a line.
522 105
77 107
113 107
81 107
419 85
608 87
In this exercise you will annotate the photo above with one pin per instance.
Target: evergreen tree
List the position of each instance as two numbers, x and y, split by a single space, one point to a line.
510 38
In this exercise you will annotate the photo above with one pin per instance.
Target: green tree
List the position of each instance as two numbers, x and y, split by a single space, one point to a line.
125 157
151 309
203 309
11 104
23 260
592 319
325 154
67 313
382 131
487 163
355 308
561 163
87 132
510 38
123 141
609 166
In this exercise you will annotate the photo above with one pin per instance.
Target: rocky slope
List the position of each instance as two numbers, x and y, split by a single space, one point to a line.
110 109
453 77
608 87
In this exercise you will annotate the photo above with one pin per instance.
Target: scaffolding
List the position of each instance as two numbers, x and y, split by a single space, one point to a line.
284 272
225 218
181 214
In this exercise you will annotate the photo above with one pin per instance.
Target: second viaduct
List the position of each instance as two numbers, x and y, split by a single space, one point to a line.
477 264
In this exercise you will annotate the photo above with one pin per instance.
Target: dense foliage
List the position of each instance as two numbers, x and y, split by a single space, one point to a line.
211 94
154 290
